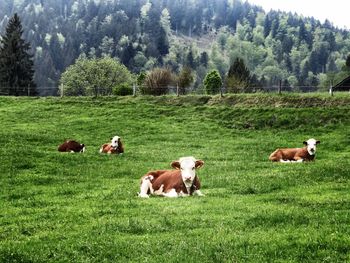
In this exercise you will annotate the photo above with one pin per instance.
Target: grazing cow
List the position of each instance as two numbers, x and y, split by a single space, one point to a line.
307 153
182 181
71 146
115 146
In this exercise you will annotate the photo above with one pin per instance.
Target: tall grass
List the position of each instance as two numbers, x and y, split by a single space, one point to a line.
58 207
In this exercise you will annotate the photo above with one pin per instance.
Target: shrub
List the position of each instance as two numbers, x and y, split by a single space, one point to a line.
157 81
94 77
212 82
184 79
123 89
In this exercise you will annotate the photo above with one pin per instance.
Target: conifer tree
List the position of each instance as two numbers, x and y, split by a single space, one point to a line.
347 63
16 64
238 77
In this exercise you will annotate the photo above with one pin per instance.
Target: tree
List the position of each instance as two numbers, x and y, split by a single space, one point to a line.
347 63
238 77
212 82
239 70
185 79
16 64
204 59
95 77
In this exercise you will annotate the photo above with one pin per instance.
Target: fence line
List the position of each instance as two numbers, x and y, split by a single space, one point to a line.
137 90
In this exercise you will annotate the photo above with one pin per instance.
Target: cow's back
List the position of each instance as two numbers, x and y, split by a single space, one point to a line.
68 146
171 179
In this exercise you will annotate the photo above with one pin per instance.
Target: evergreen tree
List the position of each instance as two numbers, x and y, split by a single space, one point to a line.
239 70
347 63
204 59
16 64
185 79
238 77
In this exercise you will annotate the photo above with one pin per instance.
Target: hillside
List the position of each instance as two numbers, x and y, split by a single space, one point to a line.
204 35
58 207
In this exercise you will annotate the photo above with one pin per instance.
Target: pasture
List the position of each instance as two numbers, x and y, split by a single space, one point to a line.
62 207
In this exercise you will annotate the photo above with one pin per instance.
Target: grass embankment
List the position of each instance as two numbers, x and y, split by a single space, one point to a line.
84 207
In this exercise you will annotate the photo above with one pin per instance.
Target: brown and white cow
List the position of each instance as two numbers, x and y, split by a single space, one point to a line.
307 153
182 181
71 146
115 146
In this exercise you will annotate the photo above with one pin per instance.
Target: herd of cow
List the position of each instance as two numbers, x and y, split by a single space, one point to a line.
183 181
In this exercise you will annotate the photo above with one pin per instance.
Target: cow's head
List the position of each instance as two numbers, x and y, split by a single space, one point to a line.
187 166
311 146
115 141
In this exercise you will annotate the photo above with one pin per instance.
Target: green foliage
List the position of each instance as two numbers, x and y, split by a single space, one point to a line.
141 78
16 64
94 77
143 35
58 207
347 63
238 77
123 90
212 82
184 79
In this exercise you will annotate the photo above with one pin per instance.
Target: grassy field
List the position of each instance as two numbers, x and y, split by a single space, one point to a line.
61 207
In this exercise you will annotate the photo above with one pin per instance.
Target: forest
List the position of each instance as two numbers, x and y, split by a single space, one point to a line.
303 53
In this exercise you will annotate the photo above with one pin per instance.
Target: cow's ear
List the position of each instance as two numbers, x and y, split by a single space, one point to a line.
305 142
176 165
318 142
199 164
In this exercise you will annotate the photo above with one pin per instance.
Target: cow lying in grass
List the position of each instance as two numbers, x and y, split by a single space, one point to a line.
71 146
307 153
182 181
114 147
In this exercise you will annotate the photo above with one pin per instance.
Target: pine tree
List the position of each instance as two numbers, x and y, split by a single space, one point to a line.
238 77
347 63
239 70
16 64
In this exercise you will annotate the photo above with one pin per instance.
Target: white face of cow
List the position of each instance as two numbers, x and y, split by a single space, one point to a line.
114 141
187 166
311 146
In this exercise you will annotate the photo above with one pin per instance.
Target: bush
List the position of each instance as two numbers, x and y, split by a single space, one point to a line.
123 89
212 82
157 82
95 77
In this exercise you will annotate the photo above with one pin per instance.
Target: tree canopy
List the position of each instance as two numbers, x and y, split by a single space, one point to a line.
203 35
16 64
94 77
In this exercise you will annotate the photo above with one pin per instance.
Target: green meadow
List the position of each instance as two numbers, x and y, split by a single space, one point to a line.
64 207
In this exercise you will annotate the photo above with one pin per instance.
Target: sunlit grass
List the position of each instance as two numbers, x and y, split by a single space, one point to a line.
84 207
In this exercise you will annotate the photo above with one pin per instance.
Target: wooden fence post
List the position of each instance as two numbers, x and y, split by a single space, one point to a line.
61 90
331 89
280 87
134 90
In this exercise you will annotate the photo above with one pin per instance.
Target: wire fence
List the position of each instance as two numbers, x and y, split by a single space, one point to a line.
137 90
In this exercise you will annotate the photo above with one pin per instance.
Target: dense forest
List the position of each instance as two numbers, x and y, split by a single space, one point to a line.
276 46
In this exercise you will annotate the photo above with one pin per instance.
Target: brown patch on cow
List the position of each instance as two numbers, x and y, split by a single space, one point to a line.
108 148
291 154
71 146
170 179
